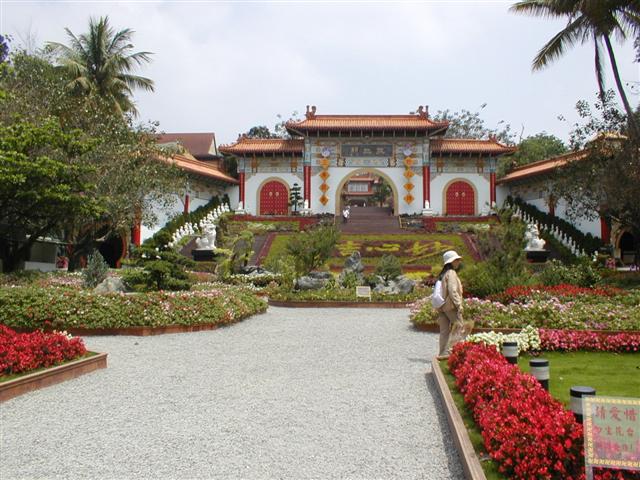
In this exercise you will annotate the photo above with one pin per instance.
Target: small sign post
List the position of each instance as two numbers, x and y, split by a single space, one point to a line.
611 433
363 292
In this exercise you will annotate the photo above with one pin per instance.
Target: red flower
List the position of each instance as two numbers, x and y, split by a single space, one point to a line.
21 352
526 431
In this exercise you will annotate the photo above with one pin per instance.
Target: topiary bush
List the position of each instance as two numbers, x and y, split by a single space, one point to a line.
158 270
96 271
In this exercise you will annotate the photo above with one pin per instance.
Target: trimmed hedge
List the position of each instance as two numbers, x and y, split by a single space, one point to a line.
62 308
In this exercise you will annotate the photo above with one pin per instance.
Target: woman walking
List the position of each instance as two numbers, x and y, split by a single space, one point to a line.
452 328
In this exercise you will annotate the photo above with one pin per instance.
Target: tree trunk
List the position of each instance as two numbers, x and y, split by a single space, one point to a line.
631 119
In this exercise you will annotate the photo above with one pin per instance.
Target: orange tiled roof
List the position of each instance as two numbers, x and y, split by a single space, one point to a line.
463 145
206 169
251 146
543 166
327 123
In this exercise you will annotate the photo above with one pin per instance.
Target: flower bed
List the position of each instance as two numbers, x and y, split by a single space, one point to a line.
23 352
342 295
534 339
543 310
63 308
523 293
527 432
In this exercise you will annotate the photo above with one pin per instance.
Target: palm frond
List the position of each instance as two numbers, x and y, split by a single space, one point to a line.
544 8
135 81
555 48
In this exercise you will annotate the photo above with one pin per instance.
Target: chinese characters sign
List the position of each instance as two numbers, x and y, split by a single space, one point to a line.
612 432
380 150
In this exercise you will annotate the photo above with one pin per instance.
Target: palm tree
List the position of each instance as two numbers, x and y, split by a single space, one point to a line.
588 20
99 62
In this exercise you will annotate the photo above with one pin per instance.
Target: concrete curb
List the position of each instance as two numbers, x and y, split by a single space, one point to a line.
468 458
51 376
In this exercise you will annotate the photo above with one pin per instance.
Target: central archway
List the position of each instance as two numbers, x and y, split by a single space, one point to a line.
372 171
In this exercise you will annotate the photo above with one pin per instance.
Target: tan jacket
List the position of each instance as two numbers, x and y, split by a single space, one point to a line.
452 292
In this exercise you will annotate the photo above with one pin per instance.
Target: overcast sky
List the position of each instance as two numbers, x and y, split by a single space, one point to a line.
226 66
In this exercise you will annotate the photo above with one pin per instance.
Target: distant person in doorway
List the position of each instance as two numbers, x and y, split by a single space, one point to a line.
452 326
345 215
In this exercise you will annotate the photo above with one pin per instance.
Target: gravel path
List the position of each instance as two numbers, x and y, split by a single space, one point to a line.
293 393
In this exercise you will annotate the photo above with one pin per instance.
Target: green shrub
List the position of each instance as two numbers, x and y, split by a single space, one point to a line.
389 268
614 278
505 265
582 274
242 249
349 280
285 267
483 279
96 271
64 308
311 248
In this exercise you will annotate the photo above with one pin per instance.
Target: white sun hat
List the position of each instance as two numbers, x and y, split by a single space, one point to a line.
449 256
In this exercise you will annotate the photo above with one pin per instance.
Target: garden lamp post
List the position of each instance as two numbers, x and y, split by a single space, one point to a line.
510 352
576 394
540 370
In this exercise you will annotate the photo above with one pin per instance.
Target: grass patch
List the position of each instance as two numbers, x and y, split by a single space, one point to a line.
489 466
611 374
13 376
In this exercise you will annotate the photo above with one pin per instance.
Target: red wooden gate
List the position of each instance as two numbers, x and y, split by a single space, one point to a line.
274 199
460 199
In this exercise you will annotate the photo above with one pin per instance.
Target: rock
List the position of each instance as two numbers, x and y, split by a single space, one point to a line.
309 283
321 275
252 270
111 285
354 263
404 285
400 286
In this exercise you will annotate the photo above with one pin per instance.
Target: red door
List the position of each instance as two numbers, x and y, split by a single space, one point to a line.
460 199
274 199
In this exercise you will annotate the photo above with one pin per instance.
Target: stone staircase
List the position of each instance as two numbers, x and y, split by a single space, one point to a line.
370 220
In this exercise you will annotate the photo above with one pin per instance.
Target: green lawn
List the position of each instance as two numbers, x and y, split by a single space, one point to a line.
611 374
417 250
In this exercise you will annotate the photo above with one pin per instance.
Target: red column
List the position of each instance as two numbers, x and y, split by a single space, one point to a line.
241 180
186 203
136 234
552 207
426 184
492 186
307 184
605 231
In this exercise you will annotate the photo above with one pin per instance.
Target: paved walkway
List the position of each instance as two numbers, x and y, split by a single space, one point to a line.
291 394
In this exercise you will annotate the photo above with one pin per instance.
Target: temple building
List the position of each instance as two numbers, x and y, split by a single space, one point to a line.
410 152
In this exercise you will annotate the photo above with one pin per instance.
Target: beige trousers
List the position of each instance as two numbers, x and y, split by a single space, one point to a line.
452 330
